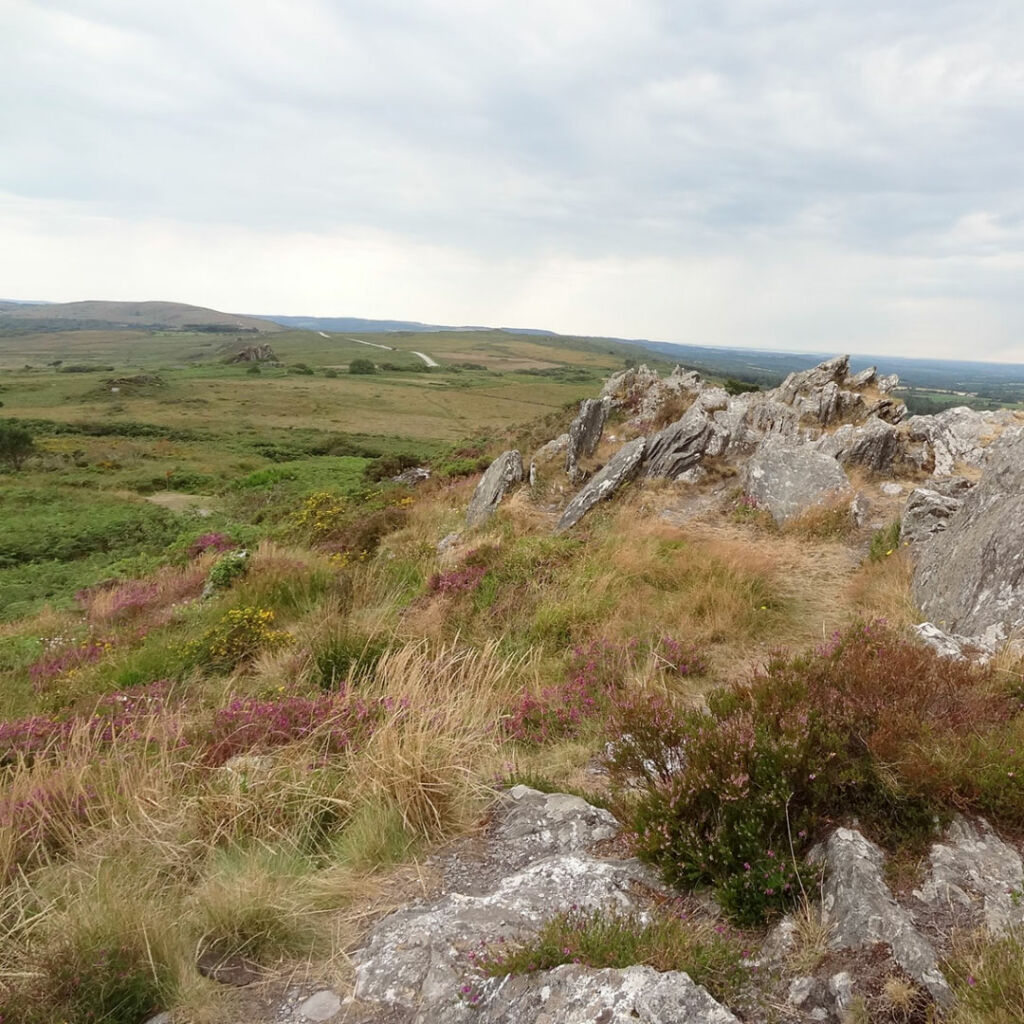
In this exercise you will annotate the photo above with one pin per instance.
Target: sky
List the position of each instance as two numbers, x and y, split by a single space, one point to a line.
791 174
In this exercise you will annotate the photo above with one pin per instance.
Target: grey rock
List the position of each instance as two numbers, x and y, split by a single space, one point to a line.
780 943
681 445
860 909
621 468
956 436
860 509
862 379
412 477
951 645
572 994
970 578
808 382
926 513
585 433
889 383
504 472
787 479
976 871
321 1006
892 489
448 541
888 409
765 416
161 1018
416 958
875 445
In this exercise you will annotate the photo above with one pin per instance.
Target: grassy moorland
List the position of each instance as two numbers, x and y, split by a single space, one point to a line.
204 752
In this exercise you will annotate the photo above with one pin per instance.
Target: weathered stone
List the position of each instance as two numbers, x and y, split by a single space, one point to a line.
504 472
825 999
892 489
860 509
949 645
786 479
448 541
681 445
585 433
808 382
572 994
926 513
320 1006
875 445
887 384
970 578
621 468
862 379
888 409
975 871
956 436
412 477
859 908
416 957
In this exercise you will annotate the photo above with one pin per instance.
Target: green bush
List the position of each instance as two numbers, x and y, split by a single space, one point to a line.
16 444
361 366
884 542
868 726
343 654
228 568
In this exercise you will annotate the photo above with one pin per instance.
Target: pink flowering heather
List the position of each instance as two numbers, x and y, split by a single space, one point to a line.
210 542
458 581
66 659
249 724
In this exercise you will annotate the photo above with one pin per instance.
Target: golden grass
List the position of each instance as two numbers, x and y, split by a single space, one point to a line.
883 590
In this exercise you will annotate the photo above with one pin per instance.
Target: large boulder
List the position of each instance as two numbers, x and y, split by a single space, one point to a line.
504 472
621 468
681 445
860 911
788 479
875 445
585 433
645 395
970 578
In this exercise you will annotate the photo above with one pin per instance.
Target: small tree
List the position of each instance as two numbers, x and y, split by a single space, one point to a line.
361 366
16 444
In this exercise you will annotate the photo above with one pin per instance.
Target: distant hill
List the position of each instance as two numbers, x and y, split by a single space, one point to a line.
94 315
357 325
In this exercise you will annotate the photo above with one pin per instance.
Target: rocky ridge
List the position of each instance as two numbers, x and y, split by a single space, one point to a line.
794 449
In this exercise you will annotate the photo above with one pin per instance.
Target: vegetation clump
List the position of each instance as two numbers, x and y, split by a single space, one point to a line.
870 726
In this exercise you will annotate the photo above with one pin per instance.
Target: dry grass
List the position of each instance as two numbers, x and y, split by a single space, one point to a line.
811 937
883 590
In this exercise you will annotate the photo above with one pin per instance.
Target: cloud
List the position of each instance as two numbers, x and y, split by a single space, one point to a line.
751 172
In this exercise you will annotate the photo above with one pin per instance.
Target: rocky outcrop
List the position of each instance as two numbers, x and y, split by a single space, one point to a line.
970 578
415 964
621 468
950 645
504 472
645 395
978 875
926 513
681 445
585 433
876 445
254 354
578 995
860 911
787 479
957 436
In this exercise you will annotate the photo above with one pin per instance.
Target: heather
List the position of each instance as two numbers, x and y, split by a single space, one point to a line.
867 727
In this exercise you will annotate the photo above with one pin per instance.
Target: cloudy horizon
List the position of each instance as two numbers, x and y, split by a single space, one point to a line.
757 173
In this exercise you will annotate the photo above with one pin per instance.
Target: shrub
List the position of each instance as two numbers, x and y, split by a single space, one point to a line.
363 366
240 636
330 372
213 541
228 568
849 730
16 444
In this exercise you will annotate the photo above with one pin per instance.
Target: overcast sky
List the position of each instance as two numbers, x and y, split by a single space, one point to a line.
797 174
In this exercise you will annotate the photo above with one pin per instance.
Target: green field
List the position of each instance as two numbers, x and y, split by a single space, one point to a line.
125 468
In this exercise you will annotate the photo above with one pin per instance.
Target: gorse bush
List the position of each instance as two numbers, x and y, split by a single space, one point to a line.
240 635
864 727
228 568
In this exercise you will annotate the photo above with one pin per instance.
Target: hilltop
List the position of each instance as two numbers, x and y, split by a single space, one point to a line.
99 315
357 712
